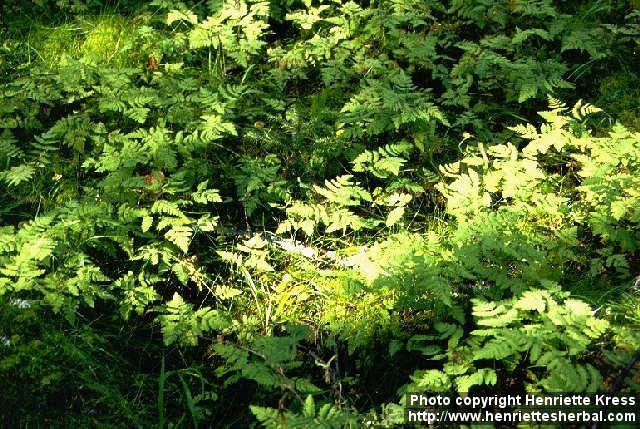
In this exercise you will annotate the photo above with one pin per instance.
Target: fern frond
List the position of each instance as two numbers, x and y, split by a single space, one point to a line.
18 174
343 191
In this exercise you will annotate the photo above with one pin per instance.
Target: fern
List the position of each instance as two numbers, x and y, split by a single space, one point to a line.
18 174
180 236
343 191
554 333
8 149
384 162
135 144
325 416
166 207
180 323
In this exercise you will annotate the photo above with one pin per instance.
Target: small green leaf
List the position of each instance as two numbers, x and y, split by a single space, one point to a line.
309 409
394 216
147 221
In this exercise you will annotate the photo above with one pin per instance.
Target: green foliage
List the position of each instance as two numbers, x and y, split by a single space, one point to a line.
182 323
327 416
551 335
288 214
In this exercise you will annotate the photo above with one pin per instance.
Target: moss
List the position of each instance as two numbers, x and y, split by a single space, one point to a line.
106 39
96 40
51 45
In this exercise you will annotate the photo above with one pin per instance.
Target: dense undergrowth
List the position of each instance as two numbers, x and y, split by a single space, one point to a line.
287 214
